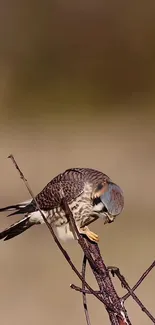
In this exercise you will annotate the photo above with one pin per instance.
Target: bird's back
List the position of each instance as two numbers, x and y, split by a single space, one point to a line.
72 182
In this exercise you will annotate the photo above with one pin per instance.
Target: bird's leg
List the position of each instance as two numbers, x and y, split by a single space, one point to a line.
91 235
88 220
83 229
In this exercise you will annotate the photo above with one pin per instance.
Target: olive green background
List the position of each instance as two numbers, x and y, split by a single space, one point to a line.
77 83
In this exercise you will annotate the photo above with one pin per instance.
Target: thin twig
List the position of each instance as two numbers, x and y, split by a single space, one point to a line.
125 284
83 293
76 288
140 280
108 305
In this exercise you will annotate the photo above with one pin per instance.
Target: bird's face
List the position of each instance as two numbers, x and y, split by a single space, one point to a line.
110 202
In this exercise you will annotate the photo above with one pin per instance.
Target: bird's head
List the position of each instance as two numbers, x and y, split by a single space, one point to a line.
110 202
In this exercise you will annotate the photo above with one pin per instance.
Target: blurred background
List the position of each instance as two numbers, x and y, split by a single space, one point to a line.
77 89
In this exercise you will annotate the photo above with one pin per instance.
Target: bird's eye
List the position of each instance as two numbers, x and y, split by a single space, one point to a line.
96 201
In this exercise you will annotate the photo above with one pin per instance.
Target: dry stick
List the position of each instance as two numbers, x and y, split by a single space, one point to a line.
84 294
109 306
116 271
140 280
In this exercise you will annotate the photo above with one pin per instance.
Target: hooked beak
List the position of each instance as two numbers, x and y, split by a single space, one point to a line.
113 201
108 219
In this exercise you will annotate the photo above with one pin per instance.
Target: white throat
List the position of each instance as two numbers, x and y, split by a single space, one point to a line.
98 207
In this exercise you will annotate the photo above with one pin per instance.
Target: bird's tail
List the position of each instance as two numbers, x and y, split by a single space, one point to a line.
16 229
20 226
21 208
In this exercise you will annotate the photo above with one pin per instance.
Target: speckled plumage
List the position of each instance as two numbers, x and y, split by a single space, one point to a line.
77 185
80 187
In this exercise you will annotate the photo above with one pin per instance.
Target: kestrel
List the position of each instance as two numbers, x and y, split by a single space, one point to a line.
89 193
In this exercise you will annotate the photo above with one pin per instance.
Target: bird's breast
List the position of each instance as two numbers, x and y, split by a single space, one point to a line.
80 206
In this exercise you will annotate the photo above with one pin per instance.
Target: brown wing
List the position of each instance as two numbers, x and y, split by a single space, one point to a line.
72 183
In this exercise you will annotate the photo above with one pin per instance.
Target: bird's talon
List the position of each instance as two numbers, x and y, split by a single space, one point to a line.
91 235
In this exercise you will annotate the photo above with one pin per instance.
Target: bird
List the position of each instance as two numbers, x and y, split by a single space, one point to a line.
90 195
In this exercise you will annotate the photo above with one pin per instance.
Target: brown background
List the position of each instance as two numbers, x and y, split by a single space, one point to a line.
76 89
